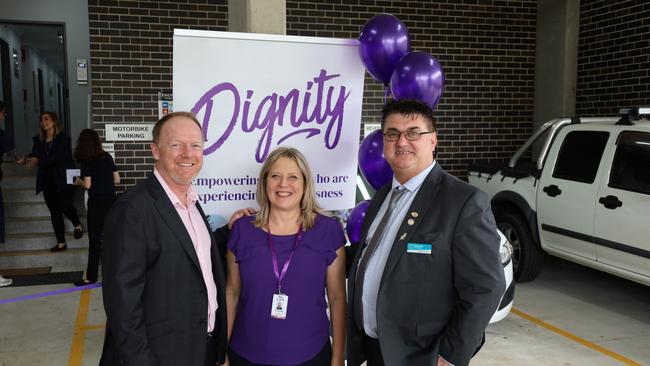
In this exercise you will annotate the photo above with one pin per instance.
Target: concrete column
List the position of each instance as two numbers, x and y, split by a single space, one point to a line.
257 16
556 59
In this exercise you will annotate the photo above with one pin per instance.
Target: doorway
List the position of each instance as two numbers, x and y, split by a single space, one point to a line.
35 52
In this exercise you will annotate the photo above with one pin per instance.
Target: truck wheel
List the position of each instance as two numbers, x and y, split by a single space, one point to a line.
527 257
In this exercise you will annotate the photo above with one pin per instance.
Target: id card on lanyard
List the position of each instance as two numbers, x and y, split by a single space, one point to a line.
281 300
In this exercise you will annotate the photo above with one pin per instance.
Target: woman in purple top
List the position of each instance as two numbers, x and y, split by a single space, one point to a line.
281 263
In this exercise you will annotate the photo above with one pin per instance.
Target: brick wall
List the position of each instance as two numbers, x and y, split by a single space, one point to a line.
613 56
487 49
131 60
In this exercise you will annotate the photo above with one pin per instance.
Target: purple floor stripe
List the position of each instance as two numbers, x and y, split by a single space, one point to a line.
51 293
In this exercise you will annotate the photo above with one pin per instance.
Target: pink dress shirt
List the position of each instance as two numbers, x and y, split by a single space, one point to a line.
200 236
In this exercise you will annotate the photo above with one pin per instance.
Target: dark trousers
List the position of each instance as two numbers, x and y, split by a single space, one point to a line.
211 351
373 352
323 358
60 203
98 206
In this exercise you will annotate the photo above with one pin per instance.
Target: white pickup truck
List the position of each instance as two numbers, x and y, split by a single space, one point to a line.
585 198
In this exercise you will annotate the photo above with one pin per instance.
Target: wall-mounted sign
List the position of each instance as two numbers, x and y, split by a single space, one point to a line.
369 127
129 132
165 104
82 71
109 147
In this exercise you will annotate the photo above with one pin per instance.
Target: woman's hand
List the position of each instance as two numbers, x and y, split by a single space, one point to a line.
240 213
31 162
21 160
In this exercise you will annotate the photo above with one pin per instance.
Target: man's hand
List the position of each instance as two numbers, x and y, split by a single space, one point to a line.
240 213
442 362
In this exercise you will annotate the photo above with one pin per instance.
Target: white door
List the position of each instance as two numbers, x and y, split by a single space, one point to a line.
568 185
622 226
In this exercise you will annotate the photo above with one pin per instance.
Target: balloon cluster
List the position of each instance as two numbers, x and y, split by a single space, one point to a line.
385 49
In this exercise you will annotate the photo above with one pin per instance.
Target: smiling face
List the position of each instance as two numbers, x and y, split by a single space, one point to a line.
47 123
285 185
179 152
408 158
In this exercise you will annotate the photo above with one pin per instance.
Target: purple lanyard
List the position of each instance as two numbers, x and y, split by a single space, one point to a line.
274 257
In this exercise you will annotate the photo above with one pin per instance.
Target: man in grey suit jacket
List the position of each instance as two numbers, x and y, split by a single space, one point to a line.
163 276
427 276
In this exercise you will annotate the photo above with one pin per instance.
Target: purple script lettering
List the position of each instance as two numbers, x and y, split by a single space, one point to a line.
271 112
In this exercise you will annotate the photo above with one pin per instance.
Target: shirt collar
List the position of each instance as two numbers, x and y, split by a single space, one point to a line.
192 195
414 183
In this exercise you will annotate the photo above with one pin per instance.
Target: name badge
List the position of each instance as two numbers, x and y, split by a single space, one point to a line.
279 306
418 248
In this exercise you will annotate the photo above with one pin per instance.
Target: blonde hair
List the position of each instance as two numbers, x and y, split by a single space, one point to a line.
58 128
308 205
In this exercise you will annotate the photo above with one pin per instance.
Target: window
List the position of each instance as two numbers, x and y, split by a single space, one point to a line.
631 167
580 155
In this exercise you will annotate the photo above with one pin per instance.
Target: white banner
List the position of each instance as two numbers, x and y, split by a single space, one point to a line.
254 92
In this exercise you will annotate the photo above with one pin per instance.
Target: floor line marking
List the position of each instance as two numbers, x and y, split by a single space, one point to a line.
575 338
95 327
51 293
77 347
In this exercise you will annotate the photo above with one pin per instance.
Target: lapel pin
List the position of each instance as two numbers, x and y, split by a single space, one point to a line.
414 214
410 221
402 237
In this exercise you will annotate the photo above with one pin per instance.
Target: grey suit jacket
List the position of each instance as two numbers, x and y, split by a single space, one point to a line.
438 303
154 293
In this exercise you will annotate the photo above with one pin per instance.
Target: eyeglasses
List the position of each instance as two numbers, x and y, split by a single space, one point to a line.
411 135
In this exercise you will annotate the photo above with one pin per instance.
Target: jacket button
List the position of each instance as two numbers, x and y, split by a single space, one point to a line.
202 293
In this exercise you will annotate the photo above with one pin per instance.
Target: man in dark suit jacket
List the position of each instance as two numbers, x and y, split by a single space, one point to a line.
424 290
163 279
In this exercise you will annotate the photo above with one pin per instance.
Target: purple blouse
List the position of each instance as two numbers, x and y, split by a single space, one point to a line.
257 336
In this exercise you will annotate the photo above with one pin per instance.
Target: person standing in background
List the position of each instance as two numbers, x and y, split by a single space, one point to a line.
52 152
99 176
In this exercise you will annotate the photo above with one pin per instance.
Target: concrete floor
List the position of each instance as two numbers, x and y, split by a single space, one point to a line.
570 315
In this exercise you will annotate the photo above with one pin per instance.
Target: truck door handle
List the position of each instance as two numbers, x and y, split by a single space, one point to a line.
610 202
552 190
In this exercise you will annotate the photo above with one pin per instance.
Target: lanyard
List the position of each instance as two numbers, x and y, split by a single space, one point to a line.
274 257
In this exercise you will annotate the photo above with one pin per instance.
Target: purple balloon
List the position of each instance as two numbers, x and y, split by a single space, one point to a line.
355 221
384 40
418 76
373 166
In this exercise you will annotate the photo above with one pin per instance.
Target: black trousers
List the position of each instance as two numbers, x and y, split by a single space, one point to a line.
323 358
60 203
373 352
98 206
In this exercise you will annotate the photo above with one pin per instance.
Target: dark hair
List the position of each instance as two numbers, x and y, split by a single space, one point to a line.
2 106
57 126
89 147
157 128
408 108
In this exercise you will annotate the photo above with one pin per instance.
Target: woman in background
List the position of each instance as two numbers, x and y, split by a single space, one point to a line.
52 152
99 176
281 263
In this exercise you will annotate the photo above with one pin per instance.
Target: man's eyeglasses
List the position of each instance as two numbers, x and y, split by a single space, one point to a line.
411 135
